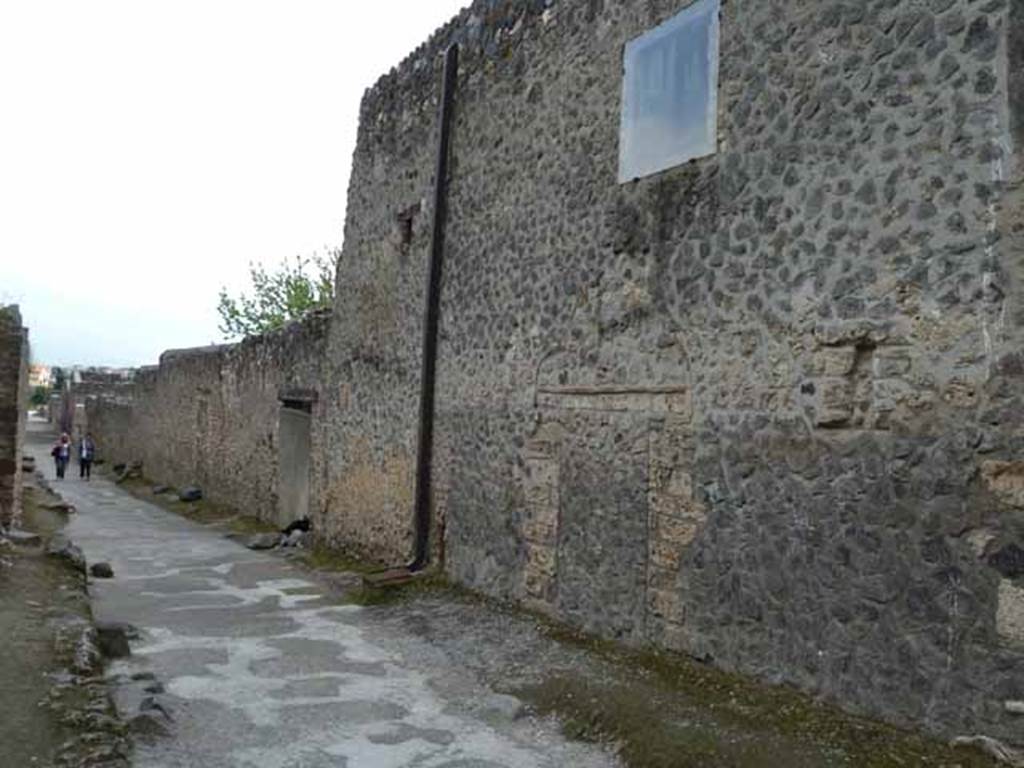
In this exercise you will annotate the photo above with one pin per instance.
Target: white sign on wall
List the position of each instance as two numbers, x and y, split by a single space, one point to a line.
670 93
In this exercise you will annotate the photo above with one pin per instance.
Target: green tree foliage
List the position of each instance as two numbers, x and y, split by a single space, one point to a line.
279 295
40 396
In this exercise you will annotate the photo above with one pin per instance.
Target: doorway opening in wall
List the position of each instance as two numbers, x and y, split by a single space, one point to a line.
294 444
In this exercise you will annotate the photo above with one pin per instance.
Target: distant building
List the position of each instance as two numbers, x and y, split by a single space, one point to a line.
39 375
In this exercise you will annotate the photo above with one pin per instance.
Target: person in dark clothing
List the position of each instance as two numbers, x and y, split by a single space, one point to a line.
86 453
61 454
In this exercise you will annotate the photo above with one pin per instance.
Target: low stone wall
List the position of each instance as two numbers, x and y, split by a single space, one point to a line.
13 394
210 417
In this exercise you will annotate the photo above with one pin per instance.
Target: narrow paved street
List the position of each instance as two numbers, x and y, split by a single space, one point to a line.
257 664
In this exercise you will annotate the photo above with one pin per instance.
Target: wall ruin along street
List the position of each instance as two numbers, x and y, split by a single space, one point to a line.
13 399
764 408
211 417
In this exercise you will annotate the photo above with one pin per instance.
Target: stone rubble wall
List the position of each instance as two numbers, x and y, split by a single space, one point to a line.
209 416
766 408
74 387
14 355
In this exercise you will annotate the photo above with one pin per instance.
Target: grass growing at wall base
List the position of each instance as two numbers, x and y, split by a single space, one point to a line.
321 558
666 710
425 583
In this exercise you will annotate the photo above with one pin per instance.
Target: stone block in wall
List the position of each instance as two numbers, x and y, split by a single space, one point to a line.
540 526
1006 480
887 395
666 604
856 381
863 332
662 579
1010 613
672 534
834 405
891 363
836 361
541 569
675 519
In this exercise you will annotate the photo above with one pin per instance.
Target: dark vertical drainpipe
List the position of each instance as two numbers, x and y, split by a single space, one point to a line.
425 450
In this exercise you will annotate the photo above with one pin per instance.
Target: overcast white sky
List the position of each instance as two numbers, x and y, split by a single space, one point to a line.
150 149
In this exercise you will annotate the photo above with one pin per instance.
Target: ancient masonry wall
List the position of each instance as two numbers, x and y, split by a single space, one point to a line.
211 416
765 408
13 403
75 387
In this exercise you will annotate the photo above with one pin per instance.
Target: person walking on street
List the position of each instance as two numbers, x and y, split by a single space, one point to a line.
86 453
62 454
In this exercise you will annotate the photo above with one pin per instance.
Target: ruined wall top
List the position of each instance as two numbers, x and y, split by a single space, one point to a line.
310 327
10 316
484 31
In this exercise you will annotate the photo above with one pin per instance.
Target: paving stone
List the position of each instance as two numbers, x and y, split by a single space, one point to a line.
23 538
